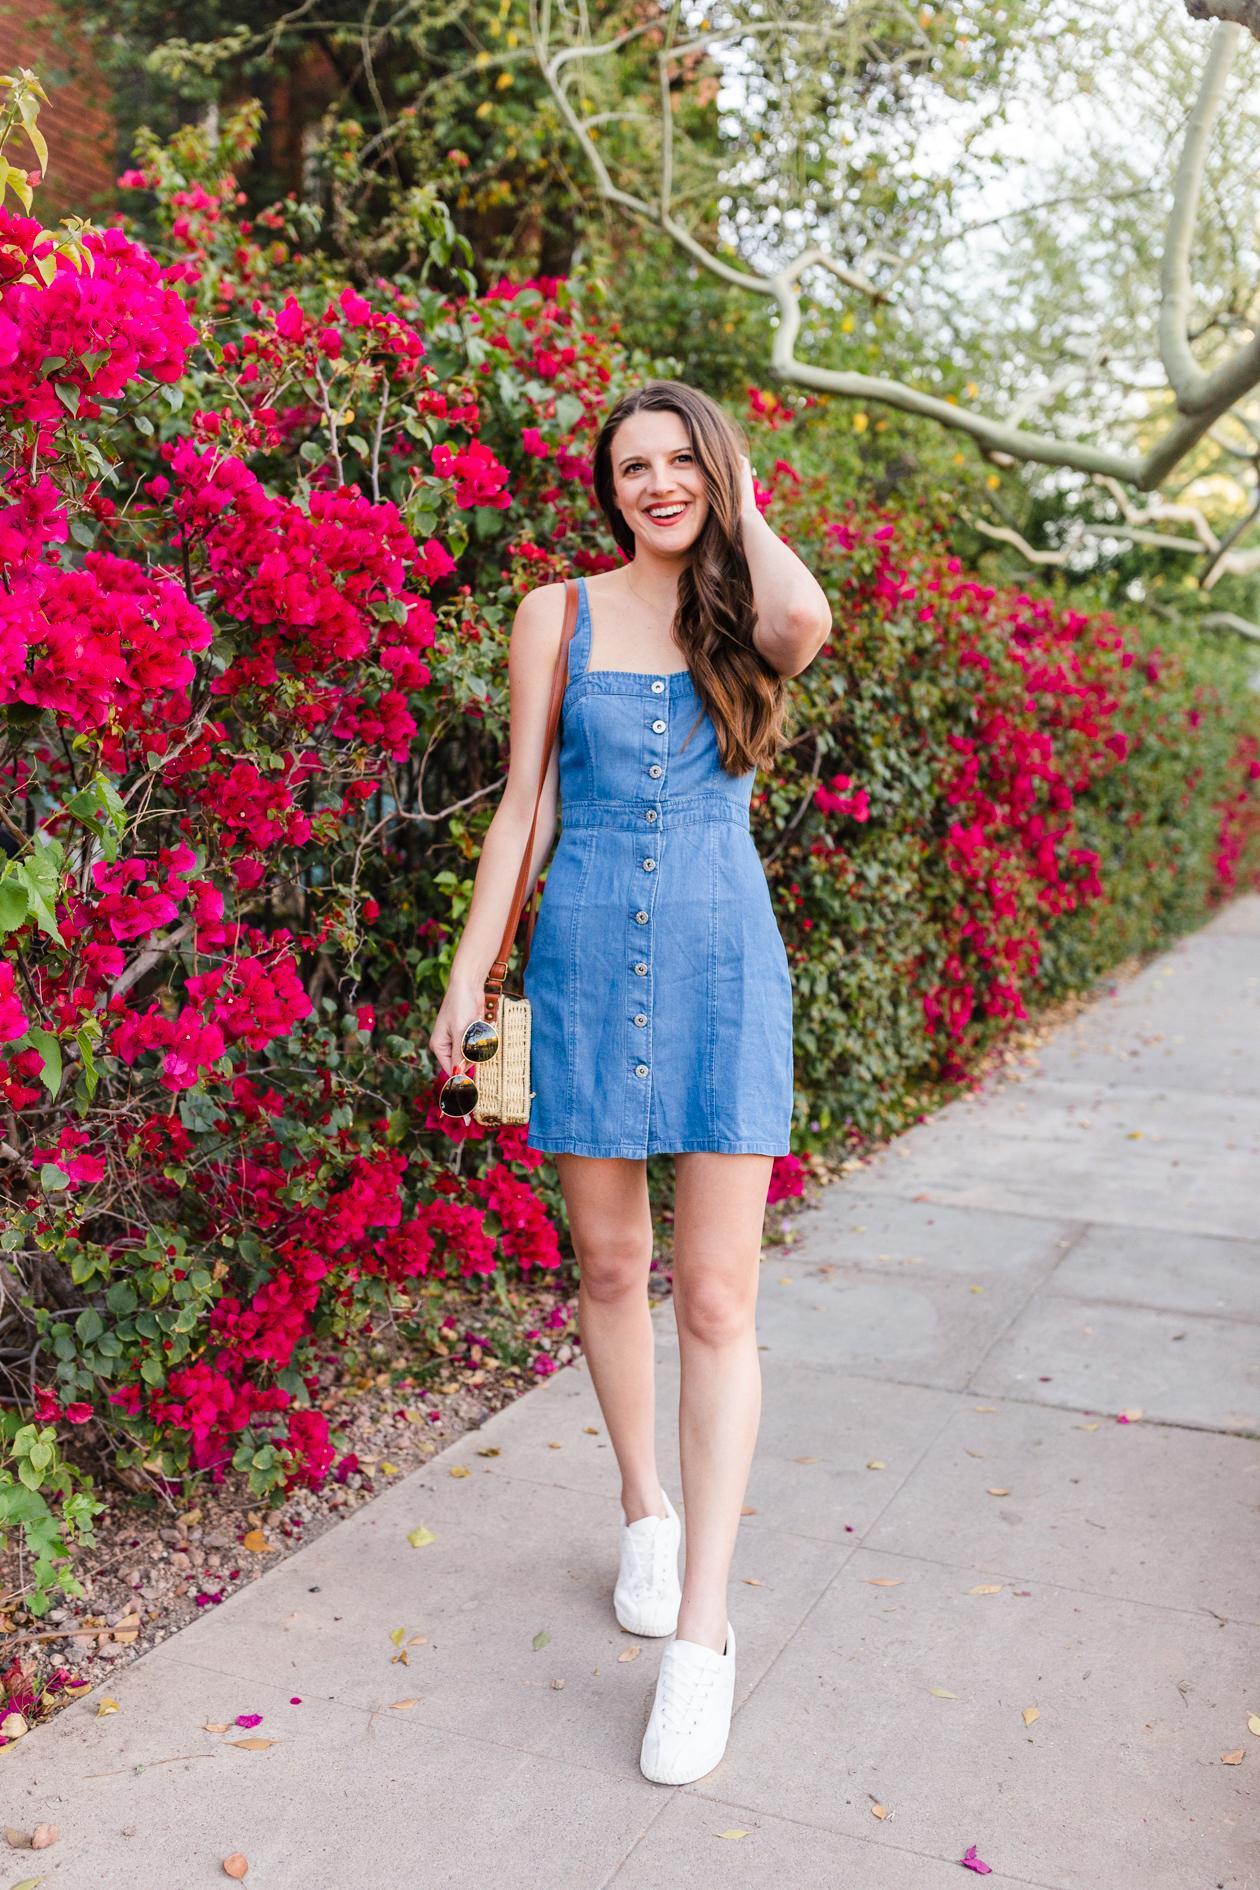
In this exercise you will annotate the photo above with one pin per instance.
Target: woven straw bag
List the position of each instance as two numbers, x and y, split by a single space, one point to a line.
503 1082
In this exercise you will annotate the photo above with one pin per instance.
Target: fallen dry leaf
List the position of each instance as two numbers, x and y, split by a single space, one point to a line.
876 1464
235 1866
391 1469
630 1653
591 1430
993 1492
986 1588
17 1840
256 1542
29 1883
730 1834
984 1407
418 1640
420 1535
490 1450
459 1470
879 1811
974 1453
540 1639
557 1684
748 1510
804 1460
943 1693
1030 1714
1132 1414
1233 1758
1085 1427
216 1725
43 1835
883 1581
106 1706
403 1706
12 1726
1253 1722
753 1581
252 1745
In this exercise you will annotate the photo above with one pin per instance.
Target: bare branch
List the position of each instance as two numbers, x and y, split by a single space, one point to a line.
1199 399
1245 13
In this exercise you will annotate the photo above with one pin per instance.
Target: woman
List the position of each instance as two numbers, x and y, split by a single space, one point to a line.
659 987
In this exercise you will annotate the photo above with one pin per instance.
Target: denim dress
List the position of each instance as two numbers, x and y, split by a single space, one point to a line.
658 981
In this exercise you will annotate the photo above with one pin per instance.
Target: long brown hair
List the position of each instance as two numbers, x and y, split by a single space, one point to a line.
716 612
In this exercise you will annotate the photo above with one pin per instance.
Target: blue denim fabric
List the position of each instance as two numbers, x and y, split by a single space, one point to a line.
658 979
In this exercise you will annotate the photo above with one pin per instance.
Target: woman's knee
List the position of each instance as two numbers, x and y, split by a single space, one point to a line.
713 1307
609 1269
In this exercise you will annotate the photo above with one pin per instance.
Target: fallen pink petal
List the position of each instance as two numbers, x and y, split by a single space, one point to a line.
249 1719
972 1862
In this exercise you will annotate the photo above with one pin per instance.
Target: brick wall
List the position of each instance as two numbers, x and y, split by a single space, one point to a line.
83 158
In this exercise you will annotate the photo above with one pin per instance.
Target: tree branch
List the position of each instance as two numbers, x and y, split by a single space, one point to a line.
1245 13
1200 399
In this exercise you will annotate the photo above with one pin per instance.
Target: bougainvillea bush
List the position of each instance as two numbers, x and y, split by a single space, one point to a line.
262 534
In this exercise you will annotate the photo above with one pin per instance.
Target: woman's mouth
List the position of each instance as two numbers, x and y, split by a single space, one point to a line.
666 514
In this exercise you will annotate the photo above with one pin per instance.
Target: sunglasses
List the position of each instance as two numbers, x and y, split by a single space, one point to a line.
459 1092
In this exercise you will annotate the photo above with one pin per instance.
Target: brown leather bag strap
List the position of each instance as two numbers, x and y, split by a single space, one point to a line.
559 681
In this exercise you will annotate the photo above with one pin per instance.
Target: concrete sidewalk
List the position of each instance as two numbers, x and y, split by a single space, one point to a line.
950 1529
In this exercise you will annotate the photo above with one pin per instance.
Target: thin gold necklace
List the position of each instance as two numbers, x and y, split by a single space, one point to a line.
643 600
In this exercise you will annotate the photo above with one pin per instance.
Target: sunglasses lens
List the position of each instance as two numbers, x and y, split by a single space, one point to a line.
481 1040
458 1094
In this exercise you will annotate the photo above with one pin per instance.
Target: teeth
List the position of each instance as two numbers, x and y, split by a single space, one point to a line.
669 511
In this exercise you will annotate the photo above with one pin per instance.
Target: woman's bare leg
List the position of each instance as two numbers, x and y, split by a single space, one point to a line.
719 1216
611 1223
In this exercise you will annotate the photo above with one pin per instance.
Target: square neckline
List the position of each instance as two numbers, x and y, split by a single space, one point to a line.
586 669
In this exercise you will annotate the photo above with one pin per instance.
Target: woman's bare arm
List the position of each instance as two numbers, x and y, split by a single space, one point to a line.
533 647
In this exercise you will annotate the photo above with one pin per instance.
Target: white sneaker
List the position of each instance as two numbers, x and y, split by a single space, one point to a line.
691 1714
647 1595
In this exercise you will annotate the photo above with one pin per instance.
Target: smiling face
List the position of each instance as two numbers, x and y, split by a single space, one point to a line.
657 482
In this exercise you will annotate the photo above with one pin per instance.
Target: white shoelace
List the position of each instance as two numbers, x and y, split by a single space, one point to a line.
683 1692
651 1553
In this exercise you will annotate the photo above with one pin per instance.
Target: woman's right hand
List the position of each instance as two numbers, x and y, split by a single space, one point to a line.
464 1004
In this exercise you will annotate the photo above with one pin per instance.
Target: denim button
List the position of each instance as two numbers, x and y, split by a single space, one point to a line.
641 968
650 814
649 866
642 917
640 1020
657 686
640 1069
659 727
656 770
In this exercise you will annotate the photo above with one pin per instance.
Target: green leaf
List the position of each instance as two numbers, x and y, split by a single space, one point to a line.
420 1535
50 1049
569 411
52 1178
68 394
89 1325
40 874
540 1639
83 1037
13 905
